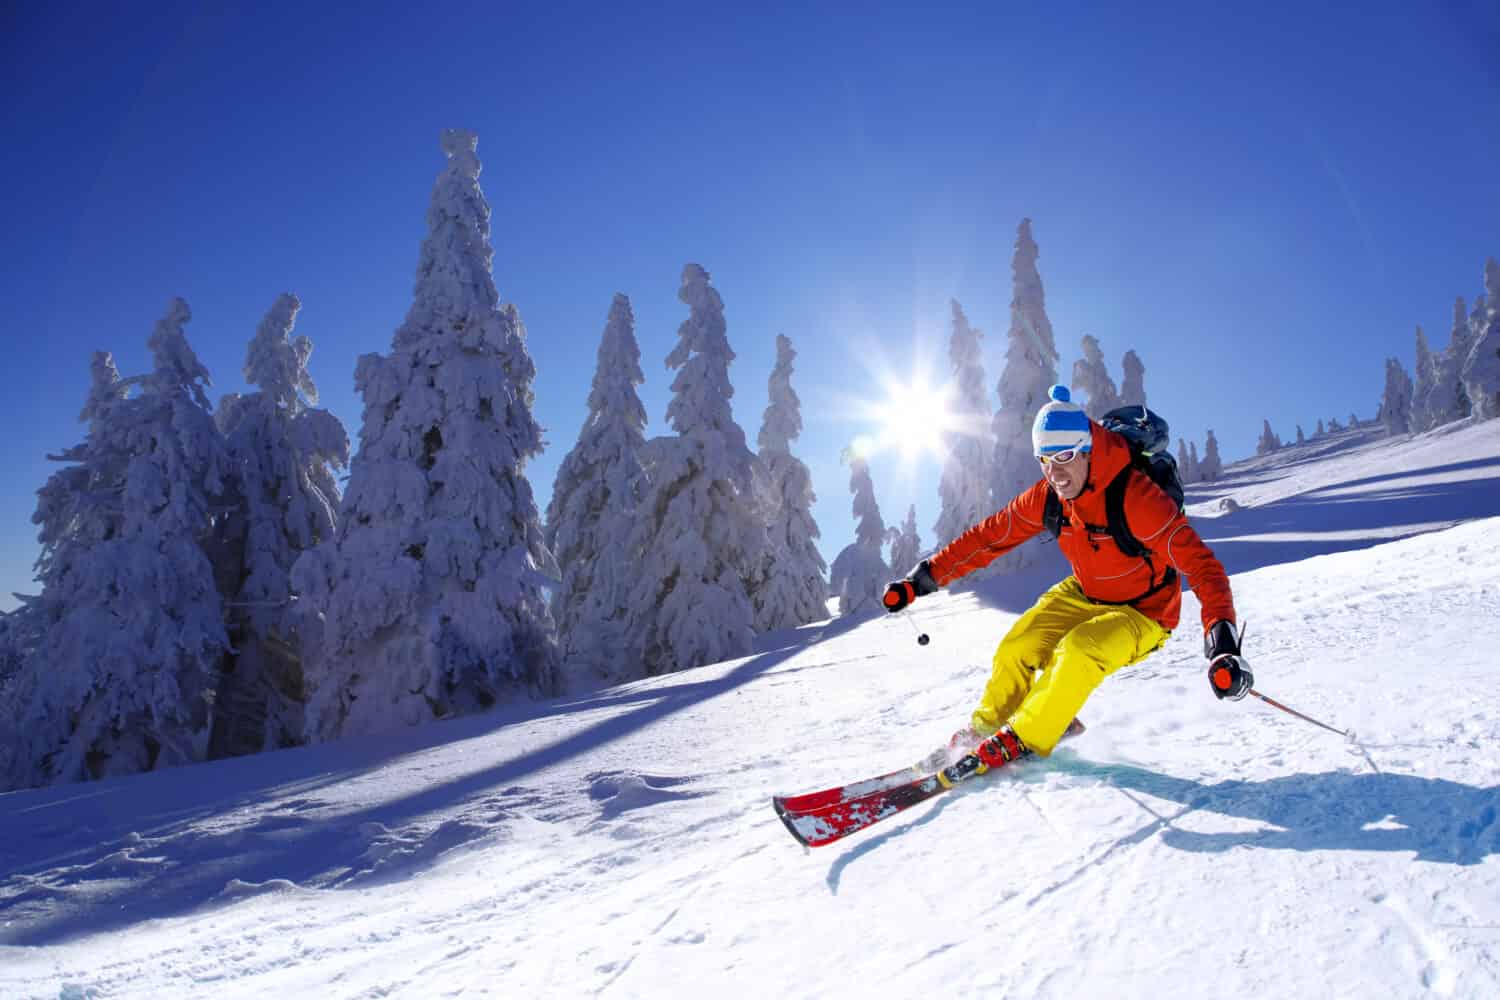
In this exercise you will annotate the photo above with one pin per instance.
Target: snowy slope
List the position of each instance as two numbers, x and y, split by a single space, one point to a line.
623 843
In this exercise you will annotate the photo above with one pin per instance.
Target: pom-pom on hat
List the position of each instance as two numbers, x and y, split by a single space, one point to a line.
1060 425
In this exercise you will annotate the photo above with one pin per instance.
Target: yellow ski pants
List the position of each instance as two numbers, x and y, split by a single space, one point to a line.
1052 659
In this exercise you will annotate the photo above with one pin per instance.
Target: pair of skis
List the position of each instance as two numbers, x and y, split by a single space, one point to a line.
822 817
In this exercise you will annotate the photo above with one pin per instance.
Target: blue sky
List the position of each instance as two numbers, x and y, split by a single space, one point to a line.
1262 203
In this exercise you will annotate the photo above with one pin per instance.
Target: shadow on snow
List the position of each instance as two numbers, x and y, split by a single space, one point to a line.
96 858
1435 819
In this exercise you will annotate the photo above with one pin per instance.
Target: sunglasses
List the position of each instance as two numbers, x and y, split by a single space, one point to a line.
1059 458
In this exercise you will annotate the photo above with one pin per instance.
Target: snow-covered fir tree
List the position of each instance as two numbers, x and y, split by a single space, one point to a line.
1321 429
859 573
1030 371
1184 468
591 517
1193 463
1353 421
1481 372
1268 441
1133 388
701 535
1395 403
1424 387
1210 468
134 639
1091 377
795 589
1449 399
906 548
1301 437
430 598
964 490
283 451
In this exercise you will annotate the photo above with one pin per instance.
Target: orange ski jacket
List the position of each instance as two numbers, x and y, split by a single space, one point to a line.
1106 574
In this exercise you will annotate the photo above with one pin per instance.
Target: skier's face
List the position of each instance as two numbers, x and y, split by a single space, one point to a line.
1068 478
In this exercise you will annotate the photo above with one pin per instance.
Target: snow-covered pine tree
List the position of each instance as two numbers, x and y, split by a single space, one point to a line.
1481 372
795 589
859 573
1395 403
701 537
1030 371
430 597
1133 388
1353 422
592 515
906 549
1211 468
1184 469
1424 388
1193 463
1301 437
1320 431
1268 442
1450 400
965 487
283 451
1091 377
134 634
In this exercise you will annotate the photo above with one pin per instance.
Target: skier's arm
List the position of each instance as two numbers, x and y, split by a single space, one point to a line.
1165 530
991 538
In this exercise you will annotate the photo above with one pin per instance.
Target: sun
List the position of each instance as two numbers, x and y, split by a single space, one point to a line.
915 419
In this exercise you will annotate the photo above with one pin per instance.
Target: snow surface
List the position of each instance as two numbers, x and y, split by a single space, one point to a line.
623 843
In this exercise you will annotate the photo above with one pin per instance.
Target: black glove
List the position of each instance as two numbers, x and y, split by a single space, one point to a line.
900 593
1228 673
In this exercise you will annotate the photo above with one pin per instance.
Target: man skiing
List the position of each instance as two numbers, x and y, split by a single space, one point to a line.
1117 608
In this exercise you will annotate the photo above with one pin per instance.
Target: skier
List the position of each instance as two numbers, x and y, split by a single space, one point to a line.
1115 610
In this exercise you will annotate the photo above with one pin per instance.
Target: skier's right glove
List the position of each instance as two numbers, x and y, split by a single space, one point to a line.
1228 673
900 593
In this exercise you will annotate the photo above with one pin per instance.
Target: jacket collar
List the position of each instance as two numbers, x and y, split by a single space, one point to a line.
1110 454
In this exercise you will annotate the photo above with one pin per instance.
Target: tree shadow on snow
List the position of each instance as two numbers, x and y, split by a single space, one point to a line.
90 859
1433 818
1328 520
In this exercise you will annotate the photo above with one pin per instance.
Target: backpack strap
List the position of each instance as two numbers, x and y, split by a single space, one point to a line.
1119 530
1114 511
1053 517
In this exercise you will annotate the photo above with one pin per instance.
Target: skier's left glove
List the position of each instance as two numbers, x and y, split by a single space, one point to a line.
900 593
1228 672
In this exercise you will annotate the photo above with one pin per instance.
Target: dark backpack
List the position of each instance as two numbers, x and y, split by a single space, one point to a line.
1148 437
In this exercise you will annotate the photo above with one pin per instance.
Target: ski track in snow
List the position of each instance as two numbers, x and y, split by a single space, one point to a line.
621 844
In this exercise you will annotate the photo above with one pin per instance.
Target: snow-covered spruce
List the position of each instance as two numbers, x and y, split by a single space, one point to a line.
429 601
1133 386
1447 399
1481 371
859 572
1396 402
1210 467
794 590
1091 377
283 451
701 537
1269 440
906 549
122 679
1030 370
964 490
591 517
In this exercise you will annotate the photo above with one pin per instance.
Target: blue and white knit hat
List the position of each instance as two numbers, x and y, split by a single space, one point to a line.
1060 425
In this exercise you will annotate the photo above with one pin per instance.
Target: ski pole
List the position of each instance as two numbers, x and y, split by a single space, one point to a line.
922 637
1347 734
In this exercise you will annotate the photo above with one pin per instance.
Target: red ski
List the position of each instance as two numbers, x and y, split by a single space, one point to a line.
821 817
